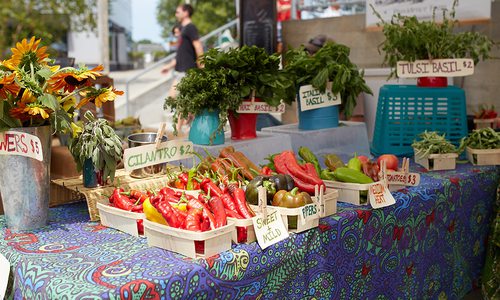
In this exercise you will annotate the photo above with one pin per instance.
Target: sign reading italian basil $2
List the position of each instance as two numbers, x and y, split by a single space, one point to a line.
312 98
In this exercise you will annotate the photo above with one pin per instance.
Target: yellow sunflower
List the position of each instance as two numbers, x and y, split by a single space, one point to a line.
27 96
37 110
69 80
99 96
76 129
69 103
27 52
8 86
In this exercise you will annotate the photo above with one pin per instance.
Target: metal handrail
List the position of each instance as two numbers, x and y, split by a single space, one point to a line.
169 58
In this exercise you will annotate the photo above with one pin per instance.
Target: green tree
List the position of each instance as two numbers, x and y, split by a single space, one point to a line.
208 15
46 19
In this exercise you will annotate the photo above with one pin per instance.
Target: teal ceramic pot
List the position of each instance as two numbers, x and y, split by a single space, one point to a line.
203 126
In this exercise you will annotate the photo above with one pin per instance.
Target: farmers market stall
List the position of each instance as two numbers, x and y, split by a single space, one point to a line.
431 244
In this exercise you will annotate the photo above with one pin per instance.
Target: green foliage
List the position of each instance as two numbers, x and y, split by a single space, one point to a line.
330 63
433 143
46 19
98 142
253 71
208 15
204 89
408 39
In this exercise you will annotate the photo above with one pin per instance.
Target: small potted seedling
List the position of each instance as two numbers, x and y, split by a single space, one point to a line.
483 147
434 152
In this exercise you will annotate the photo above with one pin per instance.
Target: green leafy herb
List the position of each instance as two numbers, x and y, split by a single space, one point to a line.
408 39
98 142
433 143
330 63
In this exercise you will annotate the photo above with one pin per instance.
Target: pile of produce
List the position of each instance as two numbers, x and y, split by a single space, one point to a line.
132 201
484 138
433 143
486 112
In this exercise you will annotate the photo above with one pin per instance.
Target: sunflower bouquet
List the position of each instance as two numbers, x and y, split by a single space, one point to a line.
34 92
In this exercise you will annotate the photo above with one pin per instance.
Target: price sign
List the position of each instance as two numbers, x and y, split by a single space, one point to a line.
260 108
309 212
149 155
311 98
269 230
380 196
20 143
401 178
435 67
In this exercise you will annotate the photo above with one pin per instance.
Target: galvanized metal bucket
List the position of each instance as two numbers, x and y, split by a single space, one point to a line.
141 139
25 184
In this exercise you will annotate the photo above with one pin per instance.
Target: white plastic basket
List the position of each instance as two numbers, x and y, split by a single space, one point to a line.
485 123
185 241
483 157
330 197
120 219
245 225
435 162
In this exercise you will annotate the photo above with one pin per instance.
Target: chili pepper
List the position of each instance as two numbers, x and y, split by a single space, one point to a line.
266 171
208 185
194 219
181 216
219 168
241 204
196 185
196 203
310 169
309 157
168 191
350 175
116 192
167 211
211 218
217 208
205 224
152 214
326 174
124 202
286 161
233 214
171 198
228 201
184 177
242 234
333 161
136 194
140 226
178 184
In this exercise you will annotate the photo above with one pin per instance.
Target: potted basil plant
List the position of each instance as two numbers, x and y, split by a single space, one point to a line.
208 94
257 77
97 149
409 39
331 73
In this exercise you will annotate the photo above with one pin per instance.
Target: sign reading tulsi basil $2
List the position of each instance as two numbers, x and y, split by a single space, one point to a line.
312 98
145 156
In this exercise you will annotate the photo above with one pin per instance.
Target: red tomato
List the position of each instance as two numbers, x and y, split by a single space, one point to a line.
391 161
363 158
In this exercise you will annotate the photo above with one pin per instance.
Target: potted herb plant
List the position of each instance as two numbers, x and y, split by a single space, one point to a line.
208 95
257 77
97 149
483 146
408 39
434 152
330 64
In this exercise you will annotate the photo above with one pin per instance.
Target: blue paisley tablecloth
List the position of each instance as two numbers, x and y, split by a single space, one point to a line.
430 245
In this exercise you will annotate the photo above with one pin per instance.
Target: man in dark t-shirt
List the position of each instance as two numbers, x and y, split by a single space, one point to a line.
189 50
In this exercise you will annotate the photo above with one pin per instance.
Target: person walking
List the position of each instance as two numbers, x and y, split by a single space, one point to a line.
189 51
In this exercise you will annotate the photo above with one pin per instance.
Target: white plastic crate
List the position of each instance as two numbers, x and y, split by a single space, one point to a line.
485 123
435 162
330 197
483 157
246 224
349 192
184 241
120 219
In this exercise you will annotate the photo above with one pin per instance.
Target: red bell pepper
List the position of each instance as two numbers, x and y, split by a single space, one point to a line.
219 213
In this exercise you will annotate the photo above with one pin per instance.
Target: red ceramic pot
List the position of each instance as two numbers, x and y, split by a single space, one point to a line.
243 126
432 82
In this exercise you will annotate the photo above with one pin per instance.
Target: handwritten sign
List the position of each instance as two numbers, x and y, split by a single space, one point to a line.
402 178
260 108
20 143
4 275
380 196
435 67
308 212
311 98
269 230
148 155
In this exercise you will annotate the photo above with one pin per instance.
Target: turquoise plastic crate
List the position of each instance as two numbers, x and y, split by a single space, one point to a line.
404 111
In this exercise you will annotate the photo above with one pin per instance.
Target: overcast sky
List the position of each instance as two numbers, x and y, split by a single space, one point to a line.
144 25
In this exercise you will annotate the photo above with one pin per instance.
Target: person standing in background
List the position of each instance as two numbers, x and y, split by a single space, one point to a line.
189 50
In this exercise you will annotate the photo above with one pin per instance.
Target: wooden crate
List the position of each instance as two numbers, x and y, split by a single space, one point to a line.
483 157
435 162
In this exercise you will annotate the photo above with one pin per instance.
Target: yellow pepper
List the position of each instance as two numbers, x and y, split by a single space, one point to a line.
152 214
180 206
